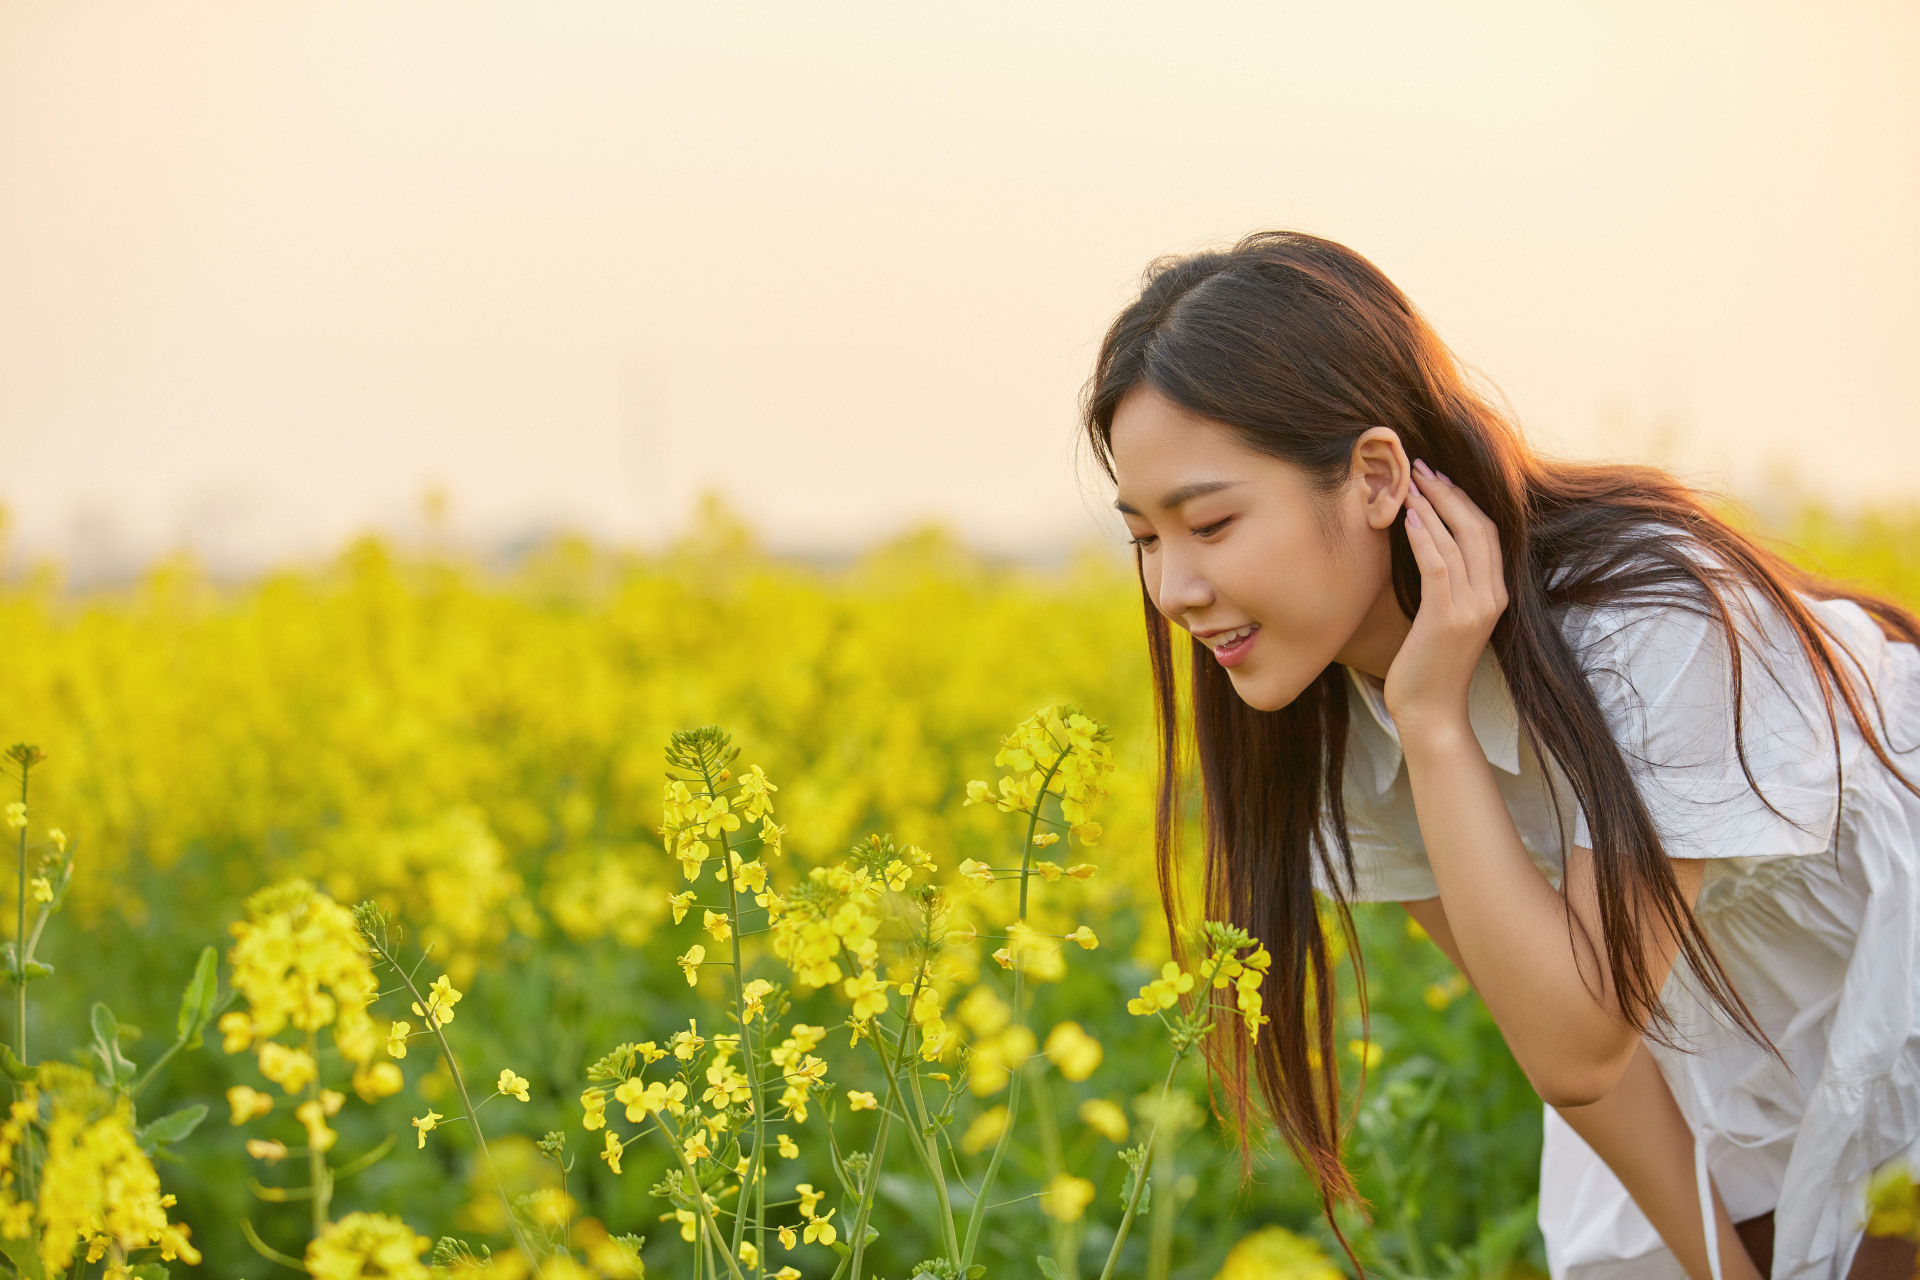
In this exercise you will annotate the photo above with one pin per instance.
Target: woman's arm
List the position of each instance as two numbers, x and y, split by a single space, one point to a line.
1640 1133
1533 952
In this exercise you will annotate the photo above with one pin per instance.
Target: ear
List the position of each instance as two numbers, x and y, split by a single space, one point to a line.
1381 475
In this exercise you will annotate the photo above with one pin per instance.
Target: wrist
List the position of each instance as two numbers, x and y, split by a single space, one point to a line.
1436 738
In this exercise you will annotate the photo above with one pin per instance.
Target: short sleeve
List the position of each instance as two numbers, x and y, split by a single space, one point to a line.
1664 678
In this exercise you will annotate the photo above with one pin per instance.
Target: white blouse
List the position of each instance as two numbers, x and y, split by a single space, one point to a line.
1813 906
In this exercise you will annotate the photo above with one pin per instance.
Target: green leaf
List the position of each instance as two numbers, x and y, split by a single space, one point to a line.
115 1069
25 1256
1048 1268
149 1271
16 1069
977 1270
36 970
196 1003
173 1126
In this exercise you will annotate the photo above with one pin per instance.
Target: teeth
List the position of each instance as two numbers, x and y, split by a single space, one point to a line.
1234 637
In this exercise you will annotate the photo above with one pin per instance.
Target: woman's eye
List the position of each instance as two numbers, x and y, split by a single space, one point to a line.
1208 530
1144 541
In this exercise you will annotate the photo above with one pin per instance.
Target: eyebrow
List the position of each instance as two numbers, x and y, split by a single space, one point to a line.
1184 494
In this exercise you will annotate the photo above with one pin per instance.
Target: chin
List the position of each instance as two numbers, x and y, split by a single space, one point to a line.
1268 690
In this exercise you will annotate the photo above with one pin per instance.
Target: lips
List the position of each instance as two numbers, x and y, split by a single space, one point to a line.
1229 647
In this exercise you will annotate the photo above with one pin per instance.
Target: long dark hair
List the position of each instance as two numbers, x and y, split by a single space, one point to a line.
1300 345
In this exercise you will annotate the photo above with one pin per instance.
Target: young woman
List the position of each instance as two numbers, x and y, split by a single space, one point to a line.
1640 779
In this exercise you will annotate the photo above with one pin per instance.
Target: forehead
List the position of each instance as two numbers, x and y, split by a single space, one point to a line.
1164 453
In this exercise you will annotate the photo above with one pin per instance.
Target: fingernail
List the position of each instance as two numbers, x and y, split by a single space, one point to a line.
1413 518
1422 467
1443 478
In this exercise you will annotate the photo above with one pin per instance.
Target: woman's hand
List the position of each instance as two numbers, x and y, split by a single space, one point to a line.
1462 594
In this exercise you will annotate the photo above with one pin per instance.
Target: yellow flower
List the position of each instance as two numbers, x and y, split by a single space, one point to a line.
612 1151
1104 1118
291 1069
1073 1051
861 1100
1275 1251
785 1273
441 997
1081 871
788 1238
789 1149
97 1186
1004 957
1085 937
688 1044
978 793
820 1229
512 1085
236 1031
17 814
42 889
770 838
1066 1197
1367 1051
58 837
377 1081
749 1254
717 924
984 1131
690 963
696 1148
753 998
686 1219
1163 992
248 1103
268 1151
868 993
425 1124
595 1101
978 874
397 1034
312 1114
367 1246
680 902
809 1199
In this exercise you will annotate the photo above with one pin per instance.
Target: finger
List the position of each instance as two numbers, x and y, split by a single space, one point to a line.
1426 552
1443 539
1472 531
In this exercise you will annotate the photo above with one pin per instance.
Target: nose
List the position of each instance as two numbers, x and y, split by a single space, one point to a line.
1182 589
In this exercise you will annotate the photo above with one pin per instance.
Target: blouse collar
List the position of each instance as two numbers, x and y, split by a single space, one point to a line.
1490 712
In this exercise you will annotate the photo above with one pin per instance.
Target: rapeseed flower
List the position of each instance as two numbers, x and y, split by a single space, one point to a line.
426 1124
612 1151
513 1086
367 1246
690 963
1105 1118
1066 1197
1073 1051
861 1100
248 1103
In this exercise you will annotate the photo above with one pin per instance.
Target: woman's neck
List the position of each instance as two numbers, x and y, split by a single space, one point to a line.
1378 638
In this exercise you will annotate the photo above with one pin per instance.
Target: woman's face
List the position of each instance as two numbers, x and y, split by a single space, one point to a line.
1277 578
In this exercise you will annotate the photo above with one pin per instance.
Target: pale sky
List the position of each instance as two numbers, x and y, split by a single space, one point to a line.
269 271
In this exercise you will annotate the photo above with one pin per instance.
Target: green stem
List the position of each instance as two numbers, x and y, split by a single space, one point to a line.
977 1218
700 1201
319 1177
870 1181
1065 1250
27 1184
936 1165
466 1101
756 1170
1140 1178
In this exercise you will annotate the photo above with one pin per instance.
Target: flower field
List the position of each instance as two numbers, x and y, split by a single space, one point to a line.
517 970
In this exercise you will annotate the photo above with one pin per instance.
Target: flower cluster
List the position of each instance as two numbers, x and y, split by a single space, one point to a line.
300 964
98 1190
1232 959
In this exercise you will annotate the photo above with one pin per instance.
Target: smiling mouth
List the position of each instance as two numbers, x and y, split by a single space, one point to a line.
1230 646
